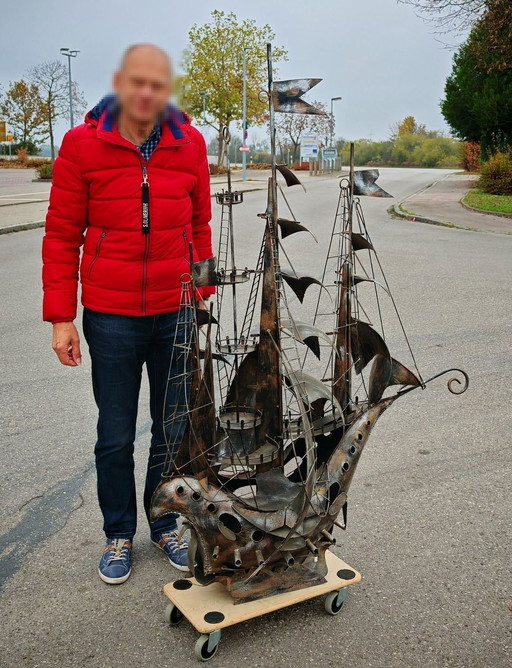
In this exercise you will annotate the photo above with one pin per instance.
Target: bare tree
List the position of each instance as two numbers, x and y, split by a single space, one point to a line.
450 15
291 127
51 78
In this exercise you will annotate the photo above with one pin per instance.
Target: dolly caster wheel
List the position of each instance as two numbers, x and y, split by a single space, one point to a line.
207 645
334 601
173 615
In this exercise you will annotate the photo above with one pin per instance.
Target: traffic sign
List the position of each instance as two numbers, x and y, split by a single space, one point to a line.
3 131
329 153
244 148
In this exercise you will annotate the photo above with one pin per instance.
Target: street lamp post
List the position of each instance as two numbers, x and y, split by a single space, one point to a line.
244 115
333 99
70 53
203 95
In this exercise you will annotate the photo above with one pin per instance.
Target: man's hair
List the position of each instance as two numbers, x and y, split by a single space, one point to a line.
143 45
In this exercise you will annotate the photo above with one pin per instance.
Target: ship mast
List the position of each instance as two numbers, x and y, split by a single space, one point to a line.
269 399
343 361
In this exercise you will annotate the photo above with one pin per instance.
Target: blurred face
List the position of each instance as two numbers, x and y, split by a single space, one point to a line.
143 84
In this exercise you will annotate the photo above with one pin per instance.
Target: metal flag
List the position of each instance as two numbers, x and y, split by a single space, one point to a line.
365 184
287 96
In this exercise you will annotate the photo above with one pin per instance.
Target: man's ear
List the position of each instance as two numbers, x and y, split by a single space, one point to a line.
115 80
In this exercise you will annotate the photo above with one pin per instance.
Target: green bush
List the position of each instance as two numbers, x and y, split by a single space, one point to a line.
413 150
45 171
496 174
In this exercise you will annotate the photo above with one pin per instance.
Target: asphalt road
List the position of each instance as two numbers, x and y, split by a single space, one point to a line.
24 200
429 508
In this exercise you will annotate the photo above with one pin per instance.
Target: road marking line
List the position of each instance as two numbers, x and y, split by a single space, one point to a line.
7 202
15 195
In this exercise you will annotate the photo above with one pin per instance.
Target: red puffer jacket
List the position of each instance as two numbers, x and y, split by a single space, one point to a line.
131 265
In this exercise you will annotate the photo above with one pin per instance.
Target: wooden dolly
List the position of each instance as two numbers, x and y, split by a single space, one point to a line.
210 608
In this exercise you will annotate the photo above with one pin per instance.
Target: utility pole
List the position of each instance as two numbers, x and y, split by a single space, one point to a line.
70 53
333 99
244 116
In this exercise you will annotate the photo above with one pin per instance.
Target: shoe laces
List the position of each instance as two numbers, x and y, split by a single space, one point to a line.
174 540
119 550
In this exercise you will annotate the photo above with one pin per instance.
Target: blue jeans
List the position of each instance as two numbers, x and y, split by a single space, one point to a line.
119 347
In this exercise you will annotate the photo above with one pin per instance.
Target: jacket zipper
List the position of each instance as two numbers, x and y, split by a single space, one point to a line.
145 200
145 223
97 253
145 231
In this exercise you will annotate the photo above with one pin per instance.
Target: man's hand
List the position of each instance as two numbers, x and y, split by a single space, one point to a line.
66 343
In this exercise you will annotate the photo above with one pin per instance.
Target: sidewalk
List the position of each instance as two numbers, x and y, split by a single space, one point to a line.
439 204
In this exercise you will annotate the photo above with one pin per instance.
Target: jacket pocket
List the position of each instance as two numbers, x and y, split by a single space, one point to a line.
96 254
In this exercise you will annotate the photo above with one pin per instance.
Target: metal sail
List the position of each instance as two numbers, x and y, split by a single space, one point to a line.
387 371
290 177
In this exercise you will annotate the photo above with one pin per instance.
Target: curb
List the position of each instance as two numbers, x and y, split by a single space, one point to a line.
487 213
21 227
29 201
395 211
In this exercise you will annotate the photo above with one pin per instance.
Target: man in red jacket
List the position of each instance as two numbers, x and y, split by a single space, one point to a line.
131 186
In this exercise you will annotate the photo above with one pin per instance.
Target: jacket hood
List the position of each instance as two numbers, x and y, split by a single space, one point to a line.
108 106
107 102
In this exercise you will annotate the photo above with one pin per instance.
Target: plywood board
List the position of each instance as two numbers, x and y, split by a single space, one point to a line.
211 607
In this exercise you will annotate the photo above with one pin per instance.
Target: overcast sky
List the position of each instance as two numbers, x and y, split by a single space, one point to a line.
376 54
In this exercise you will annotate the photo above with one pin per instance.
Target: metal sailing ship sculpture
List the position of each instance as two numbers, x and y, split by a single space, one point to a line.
261 452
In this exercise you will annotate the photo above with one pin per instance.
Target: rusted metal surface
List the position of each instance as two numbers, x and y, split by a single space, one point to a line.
365 184
269 383
385 372
264 468
299 284
289 227
290 177
204 272
287 96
